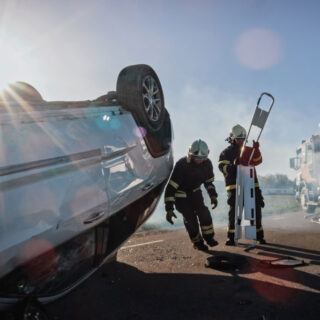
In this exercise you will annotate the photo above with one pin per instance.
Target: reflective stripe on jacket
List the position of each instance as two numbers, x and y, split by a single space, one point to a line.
186 178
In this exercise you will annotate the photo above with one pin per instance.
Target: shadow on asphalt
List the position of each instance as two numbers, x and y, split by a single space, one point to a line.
121 291
238 265
290 251
282 246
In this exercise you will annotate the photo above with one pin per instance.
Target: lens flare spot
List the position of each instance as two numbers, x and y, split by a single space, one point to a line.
115 123
140 132
102 123
272 284
259 49
39 260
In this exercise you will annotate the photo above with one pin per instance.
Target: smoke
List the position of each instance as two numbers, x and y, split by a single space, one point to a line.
207 113
296 220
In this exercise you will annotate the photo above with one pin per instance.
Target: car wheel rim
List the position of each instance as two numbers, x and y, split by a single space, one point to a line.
151 96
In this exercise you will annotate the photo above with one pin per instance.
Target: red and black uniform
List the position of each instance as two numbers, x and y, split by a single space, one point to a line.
183 191
228 160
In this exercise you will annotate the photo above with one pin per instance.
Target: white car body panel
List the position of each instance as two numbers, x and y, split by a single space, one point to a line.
115 169
77 179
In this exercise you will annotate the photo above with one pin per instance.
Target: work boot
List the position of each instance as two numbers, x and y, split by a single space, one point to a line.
199 245
230 242
211 242
262 241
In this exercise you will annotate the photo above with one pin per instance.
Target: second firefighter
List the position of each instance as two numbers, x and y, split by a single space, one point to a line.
184 193
228 161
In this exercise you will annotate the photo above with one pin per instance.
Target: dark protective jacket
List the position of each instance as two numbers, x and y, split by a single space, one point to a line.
227 164
187 178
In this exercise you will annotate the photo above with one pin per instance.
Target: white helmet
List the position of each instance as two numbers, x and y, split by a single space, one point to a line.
238 132
198 149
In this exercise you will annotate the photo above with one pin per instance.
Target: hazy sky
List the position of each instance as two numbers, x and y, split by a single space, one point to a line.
213 58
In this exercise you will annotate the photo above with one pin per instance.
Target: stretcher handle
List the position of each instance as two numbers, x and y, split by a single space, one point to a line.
247 138
271 105
270 96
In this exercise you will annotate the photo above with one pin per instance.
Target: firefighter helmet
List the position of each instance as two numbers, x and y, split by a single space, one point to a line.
198 149
238 132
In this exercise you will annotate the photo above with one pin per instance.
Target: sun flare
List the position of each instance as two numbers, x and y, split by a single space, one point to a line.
16 62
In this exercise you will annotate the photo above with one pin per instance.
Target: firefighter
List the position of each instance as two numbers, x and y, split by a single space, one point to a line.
183 191
228 161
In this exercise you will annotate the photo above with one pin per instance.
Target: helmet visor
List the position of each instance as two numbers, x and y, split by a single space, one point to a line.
198 155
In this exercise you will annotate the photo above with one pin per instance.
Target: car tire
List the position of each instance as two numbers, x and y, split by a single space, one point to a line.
139 91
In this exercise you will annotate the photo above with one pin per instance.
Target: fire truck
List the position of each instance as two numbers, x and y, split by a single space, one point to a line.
307 165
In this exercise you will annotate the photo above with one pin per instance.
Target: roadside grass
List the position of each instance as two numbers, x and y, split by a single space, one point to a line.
276 204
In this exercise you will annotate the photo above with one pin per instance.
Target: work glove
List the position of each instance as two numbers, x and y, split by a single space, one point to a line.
214 202
256 144
170 215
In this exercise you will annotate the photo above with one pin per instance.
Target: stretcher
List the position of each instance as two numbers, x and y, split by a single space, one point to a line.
245 185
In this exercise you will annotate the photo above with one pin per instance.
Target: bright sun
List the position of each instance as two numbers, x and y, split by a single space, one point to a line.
15 60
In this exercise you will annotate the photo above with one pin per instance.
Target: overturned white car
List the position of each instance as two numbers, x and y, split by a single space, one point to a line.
76 180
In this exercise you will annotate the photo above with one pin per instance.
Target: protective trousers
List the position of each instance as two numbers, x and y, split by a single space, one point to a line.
193 209
232 203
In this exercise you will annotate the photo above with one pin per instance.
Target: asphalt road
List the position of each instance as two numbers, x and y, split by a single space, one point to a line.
158 275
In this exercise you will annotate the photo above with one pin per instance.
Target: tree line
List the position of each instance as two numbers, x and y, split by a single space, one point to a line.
276 181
